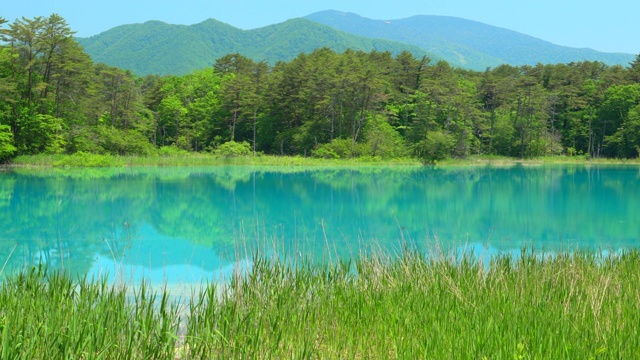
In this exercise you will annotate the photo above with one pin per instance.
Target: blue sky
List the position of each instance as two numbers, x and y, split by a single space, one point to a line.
604 25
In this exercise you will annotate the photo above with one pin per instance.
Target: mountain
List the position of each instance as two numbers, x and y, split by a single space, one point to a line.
466 43
159 48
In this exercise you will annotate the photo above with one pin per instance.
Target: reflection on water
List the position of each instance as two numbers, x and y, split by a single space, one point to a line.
186 225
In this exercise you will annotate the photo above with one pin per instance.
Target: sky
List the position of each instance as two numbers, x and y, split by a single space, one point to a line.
604 25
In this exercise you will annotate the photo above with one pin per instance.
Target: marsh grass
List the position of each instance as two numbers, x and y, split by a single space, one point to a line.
565 306
191 159
184 158
50 316
493 160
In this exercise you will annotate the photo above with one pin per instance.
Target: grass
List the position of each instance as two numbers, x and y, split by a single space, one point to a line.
191 159
567 306
480 160
49 316
204 159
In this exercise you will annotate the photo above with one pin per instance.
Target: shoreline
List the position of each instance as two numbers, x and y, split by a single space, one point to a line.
94 160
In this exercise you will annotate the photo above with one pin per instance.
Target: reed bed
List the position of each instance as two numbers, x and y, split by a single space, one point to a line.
192 159
183 158
565 306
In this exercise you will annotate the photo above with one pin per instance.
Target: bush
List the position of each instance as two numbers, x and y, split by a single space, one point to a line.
124 142
340 149
435 147
234 149
169 151
83 159
384 141
325 151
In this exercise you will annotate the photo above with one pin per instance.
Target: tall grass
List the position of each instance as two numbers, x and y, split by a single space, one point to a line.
480 160
566 306
206 159
192 159
49 316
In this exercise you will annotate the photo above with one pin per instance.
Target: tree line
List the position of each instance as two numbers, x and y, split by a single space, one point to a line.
55 99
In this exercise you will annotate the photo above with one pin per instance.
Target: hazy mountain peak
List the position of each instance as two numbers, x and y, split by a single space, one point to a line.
464 42
161 48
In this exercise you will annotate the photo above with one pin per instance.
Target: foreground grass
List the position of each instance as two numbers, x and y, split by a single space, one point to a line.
570 306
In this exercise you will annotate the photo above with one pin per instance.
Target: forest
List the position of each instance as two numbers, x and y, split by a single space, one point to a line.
55 99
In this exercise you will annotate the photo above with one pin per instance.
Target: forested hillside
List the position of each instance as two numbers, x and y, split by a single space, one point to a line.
469 44
164 49
54 99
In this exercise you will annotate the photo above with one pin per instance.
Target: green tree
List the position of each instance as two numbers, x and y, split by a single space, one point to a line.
120 96
173 121
46 75
235 89
39 133
186 110
634 70
453 106
493 92
617 122
7 87
316 100
287 108
382 140
6 143
406 77
24 39
54 37
203 107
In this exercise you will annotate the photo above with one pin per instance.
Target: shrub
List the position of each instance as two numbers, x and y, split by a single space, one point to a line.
124 142
84 159
325 151
234 149
169 151
384 141
435 147
340 149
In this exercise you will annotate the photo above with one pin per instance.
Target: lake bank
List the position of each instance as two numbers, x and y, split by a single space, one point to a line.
193 159
200 159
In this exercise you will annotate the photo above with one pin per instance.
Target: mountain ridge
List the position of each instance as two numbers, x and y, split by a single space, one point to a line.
479 45
156 47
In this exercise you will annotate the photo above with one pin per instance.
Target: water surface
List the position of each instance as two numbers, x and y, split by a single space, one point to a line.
184 225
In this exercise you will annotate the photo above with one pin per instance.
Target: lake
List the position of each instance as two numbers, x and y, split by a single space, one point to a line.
188 224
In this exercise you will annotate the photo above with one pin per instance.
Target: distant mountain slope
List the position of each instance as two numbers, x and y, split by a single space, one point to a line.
159 48
471 44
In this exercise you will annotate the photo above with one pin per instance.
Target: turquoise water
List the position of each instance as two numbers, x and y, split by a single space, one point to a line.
185 225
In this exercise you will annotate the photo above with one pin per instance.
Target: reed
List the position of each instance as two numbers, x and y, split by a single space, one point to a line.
563 306
192 159
207 159
50 316
493 160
